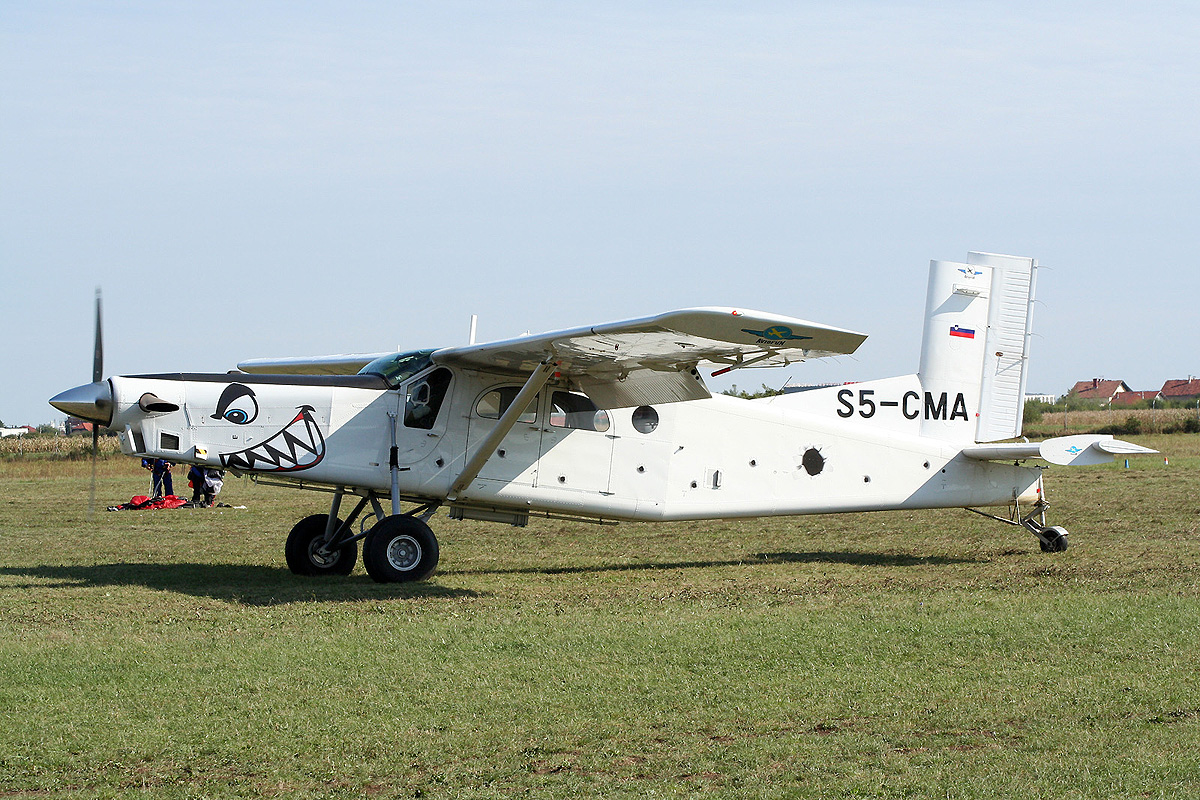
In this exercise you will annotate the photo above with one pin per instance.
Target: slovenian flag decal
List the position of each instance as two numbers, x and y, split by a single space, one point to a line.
966 333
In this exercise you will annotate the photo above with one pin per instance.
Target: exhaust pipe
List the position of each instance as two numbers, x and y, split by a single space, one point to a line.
152 403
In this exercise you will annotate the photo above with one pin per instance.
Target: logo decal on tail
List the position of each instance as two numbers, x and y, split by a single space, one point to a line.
963 333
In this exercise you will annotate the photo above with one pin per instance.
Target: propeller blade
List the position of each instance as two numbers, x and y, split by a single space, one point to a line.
92 488
98 354
97 375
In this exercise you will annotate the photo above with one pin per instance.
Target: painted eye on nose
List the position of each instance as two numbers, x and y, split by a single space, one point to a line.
237 405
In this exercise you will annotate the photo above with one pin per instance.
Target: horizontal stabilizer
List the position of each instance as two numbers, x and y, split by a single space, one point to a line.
1079 451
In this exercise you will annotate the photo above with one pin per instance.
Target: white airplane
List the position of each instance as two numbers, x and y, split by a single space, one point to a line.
614 422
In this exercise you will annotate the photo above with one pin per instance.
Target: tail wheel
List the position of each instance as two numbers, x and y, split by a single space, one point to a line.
1055 539
399 549
303 549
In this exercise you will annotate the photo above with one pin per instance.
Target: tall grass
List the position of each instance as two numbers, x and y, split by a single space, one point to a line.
1115 420
41 446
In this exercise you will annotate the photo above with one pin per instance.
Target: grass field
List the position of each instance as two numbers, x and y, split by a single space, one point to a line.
931 654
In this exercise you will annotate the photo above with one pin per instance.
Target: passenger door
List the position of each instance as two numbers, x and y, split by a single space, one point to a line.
576 444
515 459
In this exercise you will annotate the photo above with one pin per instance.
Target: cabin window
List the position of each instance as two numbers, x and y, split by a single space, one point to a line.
493 404
576 411
425 398
645 419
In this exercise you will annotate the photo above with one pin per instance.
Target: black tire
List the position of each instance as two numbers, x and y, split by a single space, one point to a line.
301 547
1058 539
400 549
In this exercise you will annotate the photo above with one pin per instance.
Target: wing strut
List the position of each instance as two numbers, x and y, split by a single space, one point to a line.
507 420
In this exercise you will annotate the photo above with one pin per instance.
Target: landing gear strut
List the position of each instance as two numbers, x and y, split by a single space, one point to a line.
1051 538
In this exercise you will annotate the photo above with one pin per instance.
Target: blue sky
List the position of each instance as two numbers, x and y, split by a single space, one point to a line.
273 179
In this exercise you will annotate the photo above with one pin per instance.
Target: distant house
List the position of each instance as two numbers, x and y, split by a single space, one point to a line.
1099 389
1048 399
1133 398
1186 390
76 425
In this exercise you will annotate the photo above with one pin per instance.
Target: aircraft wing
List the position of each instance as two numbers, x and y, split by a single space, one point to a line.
654 359
346 364
1081 450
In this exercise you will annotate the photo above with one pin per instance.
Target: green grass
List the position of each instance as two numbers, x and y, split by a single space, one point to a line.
928 654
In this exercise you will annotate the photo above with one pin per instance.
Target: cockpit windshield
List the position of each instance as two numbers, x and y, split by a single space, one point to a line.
396 368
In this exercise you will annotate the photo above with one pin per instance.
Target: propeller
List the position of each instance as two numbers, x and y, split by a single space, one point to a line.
92 402
97 376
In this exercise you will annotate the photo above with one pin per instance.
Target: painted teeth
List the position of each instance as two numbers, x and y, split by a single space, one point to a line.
285 451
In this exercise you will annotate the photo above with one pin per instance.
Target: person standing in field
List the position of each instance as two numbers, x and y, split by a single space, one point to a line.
161 484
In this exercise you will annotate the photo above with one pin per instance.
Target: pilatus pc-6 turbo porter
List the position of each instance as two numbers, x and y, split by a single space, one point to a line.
614 422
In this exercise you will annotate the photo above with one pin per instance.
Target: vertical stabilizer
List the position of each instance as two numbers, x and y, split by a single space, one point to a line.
974 350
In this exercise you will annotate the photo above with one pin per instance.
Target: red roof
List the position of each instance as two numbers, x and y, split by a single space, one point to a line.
1129 398
1174 390
1097 389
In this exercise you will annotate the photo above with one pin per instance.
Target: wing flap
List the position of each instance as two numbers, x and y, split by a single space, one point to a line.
645 387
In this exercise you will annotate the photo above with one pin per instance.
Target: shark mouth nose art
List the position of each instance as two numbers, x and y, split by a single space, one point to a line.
298 446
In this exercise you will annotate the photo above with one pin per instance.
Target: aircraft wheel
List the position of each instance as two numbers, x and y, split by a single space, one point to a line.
301 550
399 549
1058 539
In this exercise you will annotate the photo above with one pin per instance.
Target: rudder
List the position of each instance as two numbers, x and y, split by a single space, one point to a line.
978 318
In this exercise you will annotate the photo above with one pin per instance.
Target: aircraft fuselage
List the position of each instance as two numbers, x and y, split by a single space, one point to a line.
845 449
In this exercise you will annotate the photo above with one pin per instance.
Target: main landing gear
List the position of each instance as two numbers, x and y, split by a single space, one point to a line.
398 548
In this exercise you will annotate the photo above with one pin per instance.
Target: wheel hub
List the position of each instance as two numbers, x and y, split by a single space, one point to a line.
320 556
403 553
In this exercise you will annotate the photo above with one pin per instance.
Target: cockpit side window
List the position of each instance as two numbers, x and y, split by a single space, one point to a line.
494 403
425 398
